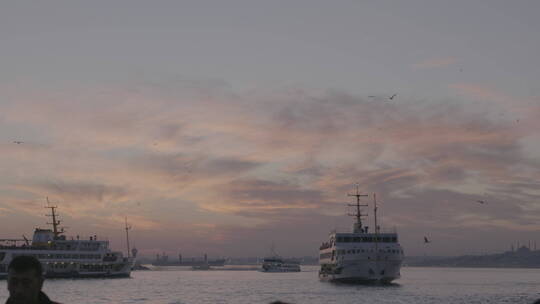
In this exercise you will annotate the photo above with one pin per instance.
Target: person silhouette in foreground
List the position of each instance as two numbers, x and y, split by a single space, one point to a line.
24 282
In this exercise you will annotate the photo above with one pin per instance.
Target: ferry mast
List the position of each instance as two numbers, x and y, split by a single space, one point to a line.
358 228
128 227
55 222
376 228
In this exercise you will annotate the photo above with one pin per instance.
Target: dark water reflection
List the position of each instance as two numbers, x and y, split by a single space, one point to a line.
417 285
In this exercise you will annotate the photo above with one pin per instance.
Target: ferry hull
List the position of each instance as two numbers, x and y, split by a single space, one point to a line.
383 272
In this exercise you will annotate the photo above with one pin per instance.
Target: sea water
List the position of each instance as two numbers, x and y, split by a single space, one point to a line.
182 285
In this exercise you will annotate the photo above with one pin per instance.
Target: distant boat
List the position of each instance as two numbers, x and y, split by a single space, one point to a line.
361 256
203 266
63 258
278 264
275 263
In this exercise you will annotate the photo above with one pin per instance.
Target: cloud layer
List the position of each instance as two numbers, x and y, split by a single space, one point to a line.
219 170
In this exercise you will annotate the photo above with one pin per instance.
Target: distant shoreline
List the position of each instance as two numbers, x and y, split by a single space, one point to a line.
521 258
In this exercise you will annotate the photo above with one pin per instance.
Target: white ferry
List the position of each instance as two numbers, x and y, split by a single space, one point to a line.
63 258
278 264
361 256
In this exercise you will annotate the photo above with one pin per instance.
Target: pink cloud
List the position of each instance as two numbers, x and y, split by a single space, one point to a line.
480 92
201 164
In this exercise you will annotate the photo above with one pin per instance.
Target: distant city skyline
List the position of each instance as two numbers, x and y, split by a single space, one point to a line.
222 127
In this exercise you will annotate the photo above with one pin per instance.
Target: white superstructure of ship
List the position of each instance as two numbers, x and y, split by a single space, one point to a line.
361 256
67 258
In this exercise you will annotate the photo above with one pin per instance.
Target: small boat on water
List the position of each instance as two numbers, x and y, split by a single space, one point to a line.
203 266
278 264
67 258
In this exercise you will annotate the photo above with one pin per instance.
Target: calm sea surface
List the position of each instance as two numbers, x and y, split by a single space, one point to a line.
417 285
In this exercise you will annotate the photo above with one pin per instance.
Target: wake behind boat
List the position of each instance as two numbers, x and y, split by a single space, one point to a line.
360 256
63 258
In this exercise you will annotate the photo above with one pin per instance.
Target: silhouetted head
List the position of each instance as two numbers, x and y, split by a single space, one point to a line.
25 279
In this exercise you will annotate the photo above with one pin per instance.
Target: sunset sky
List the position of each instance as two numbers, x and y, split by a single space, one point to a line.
222 127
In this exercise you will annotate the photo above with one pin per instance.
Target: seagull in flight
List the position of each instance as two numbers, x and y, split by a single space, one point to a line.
18 142
426 241
392 97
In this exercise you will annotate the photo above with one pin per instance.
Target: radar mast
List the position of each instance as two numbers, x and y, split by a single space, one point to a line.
358 228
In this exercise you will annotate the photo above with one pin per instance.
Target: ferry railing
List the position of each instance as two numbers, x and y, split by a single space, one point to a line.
382 230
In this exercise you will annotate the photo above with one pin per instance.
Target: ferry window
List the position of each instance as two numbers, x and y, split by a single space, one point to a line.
386 239
347 239
394 239
356 239
339 240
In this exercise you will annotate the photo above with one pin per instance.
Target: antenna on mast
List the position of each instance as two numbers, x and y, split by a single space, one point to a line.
358 225
377 228
128 227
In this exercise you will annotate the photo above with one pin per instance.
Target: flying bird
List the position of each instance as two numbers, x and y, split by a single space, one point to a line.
481 202
392 97
18 142
426 241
